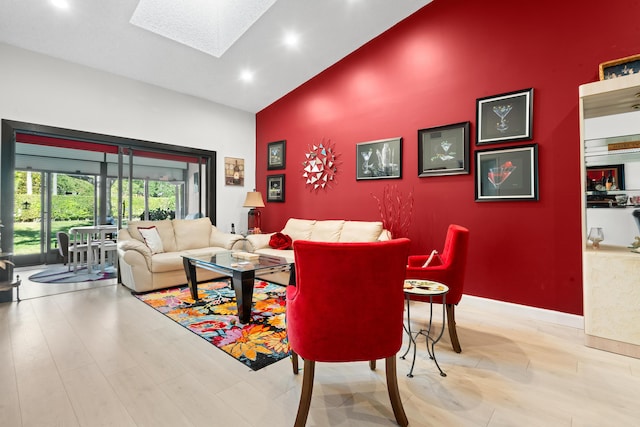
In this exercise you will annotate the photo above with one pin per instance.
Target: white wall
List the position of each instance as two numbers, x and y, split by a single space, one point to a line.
39 89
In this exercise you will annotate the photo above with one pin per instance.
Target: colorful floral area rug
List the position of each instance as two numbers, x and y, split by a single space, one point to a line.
257 344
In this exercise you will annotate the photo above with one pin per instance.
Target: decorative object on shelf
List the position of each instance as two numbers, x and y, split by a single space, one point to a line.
620 67
605 178
379 159
396 211
504 117
596 235
507 174
320 166
275 188
444 150
636 244
276 155
233 171
254 201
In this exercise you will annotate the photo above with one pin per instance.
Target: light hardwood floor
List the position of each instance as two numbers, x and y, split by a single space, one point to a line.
99 357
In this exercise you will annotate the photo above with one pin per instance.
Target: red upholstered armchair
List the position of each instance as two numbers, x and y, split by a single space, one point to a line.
347 306
448 268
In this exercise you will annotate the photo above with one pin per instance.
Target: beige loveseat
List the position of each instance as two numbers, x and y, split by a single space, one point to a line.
142 270
317 231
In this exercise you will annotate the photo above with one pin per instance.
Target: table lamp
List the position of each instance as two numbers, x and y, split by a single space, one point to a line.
253 201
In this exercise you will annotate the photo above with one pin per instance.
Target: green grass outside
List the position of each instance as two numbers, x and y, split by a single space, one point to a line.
26 235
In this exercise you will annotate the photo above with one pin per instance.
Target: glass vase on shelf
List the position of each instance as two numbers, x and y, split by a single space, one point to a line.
596 235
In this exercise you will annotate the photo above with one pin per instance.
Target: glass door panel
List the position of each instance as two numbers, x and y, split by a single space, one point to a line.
73 204
62 183
27 215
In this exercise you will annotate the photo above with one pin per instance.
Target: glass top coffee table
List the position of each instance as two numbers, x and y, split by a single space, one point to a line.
242 268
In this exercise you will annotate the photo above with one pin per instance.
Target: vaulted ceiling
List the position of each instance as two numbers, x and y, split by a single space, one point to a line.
290 41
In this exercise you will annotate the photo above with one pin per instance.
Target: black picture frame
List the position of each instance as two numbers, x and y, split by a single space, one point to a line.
507 174
444 150
505 117
595 174
381 159
276 155
275 188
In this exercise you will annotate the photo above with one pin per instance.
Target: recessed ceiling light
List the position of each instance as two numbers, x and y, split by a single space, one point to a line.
291 39
60 4
246 76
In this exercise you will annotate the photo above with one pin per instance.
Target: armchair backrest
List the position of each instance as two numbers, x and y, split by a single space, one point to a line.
455 247
454 256
63 245
348 301
454 261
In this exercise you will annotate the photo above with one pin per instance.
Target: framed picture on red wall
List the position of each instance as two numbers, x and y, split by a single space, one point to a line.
276 155
444 150
275 188
505 117
507 174
381 159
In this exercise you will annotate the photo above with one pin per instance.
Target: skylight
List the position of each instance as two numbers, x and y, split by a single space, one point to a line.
209 26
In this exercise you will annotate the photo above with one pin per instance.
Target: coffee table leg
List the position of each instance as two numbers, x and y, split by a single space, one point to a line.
190 271
243 285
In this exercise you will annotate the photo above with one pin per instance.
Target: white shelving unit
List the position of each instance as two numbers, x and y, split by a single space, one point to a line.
610 114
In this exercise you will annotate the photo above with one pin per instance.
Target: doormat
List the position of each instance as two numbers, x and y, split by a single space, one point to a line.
214 317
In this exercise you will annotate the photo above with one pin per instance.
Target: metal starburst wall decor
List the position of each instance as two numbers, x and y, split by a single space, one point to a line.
320 165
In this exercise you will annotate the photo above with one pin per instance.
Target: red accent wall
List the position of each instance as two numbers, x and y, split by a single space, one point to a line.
428 71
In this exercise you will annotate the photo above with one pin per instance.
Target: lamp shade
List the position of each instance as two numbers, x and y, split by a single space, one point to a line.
253 200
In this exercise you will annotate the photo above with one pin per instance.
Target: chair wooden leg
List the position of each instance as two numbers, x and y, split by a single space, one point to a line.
305 396
453 334
394 392
372 365
294 362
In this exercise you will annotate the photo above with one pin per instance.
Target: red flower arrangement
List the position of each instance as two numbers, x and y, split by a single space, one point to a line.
396 212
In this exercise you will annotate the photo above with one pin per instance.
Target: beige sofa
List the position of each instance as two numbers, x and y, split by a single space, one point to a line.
141 270
318 231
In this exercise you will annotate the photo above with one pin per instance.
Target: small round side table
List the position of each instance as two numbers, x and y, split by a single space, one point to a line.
431 289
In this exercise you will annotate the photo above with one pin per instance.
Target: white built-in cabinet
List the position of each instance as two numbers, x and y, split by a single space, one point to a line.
610 135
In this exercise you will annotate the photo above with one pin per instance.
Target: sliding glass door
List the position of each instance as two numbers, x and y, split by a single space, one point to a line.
59 183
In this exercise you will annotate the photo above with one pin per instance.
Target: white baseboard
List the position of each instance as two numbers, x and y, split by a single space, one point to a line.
539 314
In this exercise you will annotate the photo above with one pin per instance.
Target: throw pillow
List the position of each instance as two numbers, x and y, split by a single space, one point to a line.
434 254
152 239
280 241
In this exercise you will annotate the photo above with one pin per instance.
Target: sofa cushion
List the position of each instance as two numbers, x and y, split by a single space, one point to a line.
167 261
203 252
192 233
258 241
360 231
326 231
152 239
165 229
299 229
286 253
